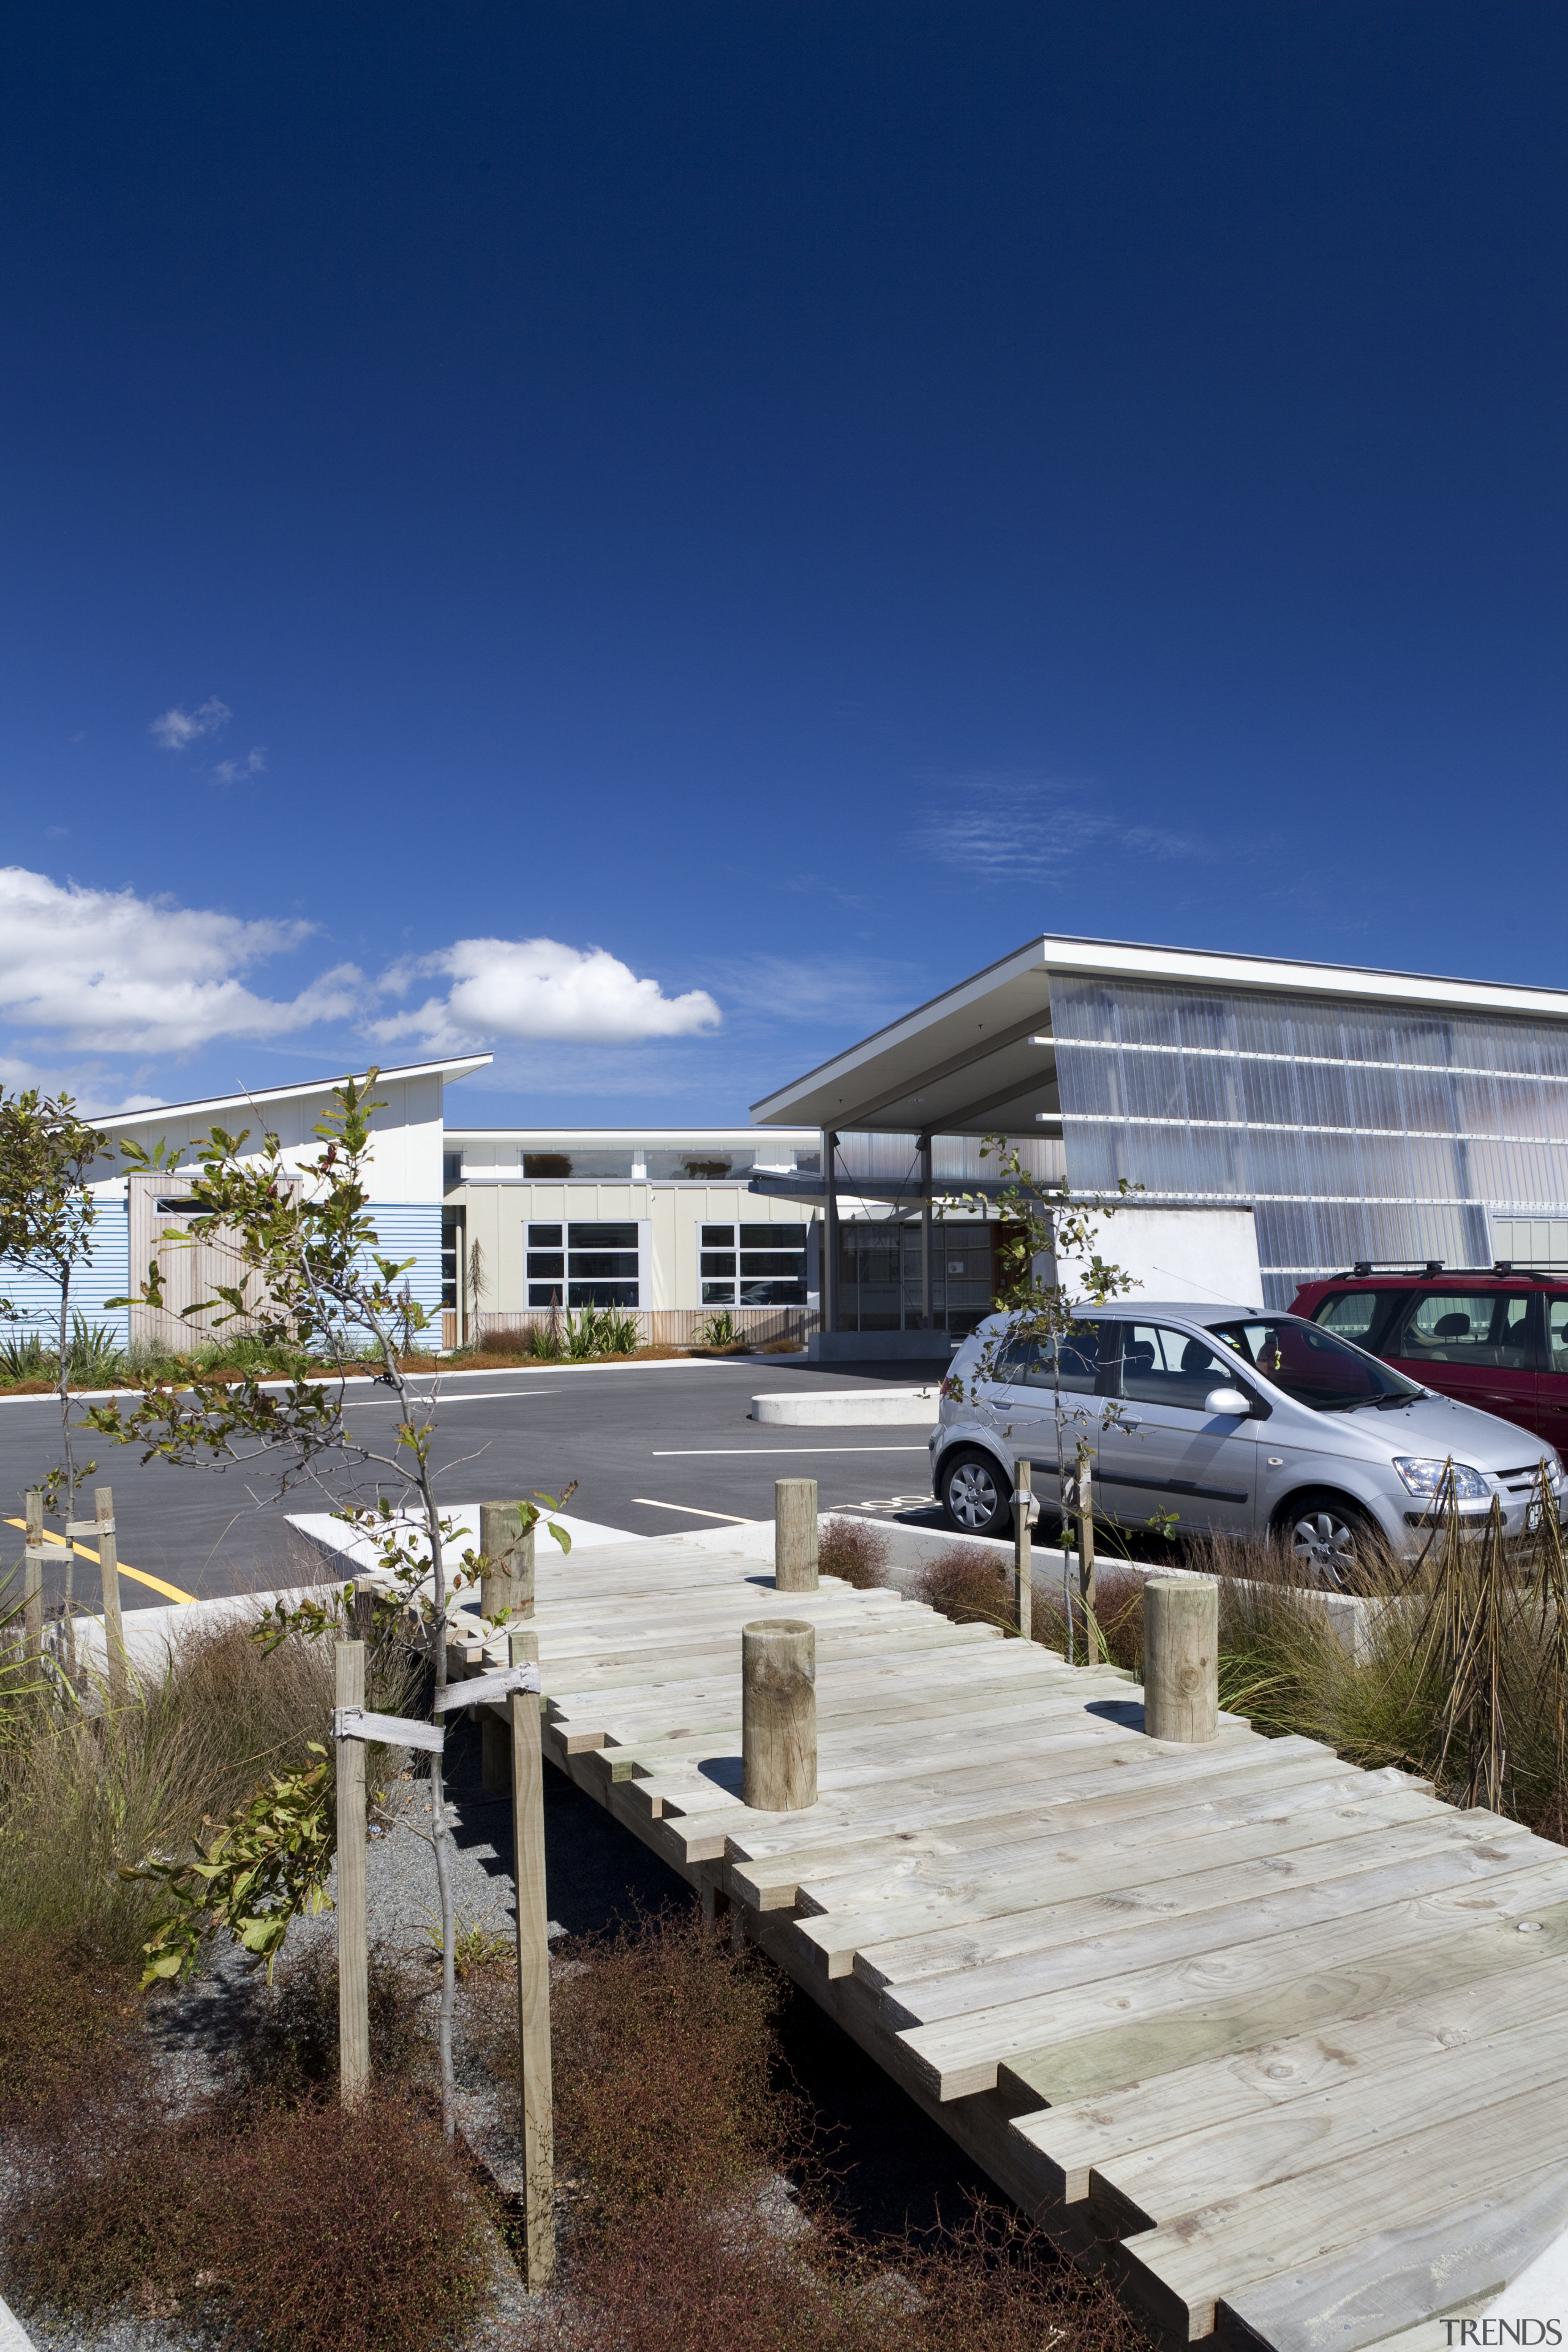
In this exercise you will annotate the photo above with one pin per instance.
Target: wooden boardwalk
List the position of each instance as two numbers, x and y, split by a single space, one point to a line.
1283 2042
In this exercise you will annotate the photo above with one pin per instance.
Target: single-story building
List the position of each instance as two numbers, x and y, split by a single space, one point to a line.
1355 1115
404 1179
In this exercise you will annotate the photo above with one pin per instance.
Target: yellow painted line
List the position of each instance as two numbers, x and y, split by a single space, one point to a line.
83 1551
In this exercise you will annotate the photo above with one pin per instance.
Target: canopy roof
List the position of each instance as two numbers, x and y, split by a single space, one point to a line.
981 1057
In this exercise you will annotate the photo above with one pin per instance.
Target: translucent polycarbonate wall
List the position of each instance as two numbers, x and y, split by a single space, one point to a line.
1354 1131
955 1159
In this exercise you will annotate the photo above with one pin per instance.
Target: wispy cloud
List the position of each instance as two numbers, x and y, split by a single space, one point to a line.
233 771
177 730
1006 827
537 989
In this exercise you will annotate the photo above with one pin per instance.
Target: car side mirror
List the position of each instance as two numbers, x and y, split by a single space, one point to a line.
1230 1400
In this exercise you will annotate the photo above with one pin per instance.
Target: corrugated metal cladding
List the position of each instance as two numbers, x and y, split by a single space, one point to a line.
106 1277
411 1230
1353 1130
414 1230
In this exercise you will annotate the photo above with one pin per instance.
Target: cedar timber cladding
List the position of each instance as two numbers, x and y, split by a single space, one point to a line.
193 1260
1283 2042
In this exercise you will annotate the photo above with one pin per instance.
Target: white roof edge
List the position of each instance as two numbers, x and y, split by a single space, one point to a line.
740 1133
449 1070
1009 966
1131 959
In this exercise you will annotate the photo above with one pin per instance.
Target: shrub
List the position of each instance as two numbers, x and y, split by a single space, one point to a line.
855 1551
70 2033
970 1587
285 2043
320 2229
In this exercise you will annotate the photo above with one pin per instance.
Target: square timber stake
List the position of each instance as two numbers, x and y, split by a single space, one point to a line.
532 1972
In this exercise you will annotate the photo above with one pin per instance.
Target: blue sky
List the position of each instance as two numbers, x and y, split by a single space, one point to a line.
779 501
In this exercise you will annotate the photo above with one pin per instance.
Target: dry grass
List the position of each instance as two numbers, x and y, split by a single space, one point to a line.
855 1551
83 1796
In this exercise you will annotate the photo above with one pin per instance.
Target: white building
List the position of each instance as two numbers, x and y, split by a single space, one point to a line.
662 1221
404 1179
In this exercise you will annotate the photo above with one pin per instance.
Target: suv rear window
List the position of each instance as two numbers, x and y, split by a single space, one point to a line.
1355 1314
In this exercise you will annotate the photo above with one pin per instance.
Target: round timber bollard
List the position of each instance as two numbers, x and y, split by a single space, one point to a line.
1181 1658
507 1582
794 1535
778 1714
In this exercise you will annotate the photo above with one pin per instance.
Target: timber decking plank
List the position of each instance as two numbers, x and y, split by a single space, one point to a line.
1105 1954
901 1938
1099 2130
960 2055
1178 2273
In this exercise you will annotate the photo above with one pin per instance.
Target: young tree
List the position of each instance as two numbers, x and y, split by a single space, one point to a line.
314 1287
1046 1226
48 1214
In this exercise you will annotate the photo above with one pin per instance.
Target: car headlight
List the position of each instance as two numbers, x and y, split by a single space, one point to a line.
1428 1479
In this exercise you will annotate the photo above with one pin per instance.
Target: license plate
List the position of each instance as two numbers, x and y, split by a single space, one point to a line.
1533 1518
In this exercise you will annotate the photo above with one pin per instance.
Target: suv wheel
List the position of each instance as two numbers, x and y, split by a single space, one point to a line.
975 1495
1327 1537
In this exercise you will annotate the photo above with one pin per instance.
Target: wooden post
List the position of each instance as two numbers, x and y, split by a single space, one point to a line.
794 1535
33 1576
508 1581
353 1976
532 1975
1181 1658
778 1714
1024 1545
1086 1543
364 1611
109 1573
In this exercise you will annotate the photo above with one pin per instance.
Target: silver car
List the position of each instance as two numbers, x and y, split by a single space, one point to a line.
1230 1421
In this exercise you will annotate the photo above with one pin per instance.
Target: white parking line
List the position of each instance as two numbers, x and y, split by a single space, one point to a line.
691 1511
481 1396
684 1453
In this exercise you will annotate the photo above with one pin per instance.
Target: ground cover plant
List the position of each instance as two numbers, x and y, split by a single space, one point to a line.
699 2196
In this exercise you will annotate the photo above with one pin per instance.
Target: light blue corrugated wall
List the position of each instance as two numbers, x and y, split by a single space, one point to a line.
107 1276
403 1229
413 1229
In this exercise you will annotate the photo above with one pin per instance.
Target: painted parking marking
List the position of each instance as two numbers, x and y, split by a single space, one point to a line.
85 1551
692 1511
685 1453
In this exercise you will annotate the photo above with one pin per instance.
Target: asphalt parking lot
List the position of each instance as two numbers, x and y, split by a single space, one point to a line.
654 1448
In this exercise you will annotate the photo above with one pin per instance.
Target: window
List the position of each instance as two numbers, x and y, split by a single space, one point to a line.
1557 1332
580 1164
451 1261
753 1266
451 1167
1163 1366
695 1166
1070 1363
1311 1364
1353 1314
584 1265
1489 1329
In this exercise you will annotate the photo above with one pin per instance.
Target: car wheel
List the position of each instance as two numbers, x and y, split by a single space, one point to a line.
1328 1538
975 1495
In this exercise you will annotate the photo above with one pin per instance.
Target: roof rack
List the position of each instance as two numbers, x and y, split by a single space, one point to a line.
1426 1268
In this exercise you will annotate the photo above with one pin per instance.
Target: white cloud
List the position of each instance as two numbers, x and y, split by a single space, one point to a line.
178 728
106 970
540 989
233 771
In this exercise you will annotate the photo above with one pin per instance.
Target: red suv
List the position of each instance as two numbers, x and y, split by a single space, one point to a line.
1494 1337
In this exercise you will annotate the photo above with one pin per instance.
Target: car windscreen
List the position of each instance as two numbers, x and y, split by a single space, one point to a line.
1311 1365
